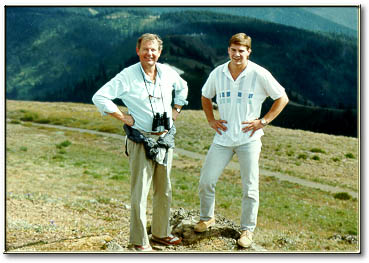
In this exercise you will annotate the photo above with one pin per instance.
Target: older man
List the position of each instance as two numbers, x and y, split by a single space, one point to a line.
146 89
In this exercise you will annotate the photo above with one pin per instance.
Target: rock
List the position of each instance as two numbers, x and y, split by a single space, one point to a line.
113 246
225 231
346 238
284 241
350 239
221 237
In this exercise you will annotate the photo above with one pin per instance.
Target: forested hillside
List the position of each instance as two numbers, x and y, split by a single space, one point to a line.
338 20
66 54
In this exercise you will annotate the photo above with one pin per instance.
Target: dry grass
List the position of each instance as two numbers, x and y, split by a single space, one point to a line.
327 159
55 197
71 197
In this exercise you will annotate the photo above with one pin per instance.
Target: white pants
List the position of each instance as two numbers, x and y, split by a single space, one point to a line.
216 160
143 172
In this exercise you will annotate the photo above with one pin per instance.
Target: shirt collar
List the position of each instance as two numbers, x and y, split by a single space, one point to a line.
228 73
145 75
225 67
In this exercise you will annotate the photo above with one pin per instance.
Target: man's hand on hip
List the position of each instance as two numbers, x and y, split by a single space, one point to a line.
125 118
128 119
252 125
218 125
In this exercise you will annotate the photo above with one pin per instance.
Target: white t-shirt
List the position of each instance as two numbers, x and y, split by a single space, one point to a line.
240 100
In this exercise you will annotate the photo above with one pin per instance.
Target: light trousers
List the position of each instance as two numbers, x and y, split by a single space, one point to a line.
143 172
216 160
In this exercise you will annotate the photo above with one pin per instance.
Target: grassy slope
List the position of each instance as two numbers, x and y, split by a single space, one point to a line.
317 157
76 190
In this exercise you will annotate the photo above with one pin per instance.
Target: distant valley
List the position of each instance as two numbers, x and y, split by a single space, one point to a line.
67 53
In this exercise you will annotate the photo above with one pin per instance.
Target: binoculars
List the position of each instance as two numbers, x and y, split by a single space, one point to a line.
161 122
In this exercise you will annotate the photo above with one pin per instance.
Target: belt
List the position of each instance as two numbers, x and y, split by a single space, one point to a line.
152 133
158 133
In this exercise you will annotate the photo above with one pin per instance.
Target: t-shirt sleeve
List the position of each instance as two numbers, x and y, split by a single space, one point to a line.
272 87
209 88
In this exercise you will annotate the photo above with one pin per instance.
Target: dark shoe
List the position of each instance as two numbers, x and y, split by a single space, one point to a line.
168 241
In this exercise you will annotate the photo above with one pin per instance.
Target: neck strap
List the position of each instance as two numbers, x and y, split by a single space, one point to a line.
147 90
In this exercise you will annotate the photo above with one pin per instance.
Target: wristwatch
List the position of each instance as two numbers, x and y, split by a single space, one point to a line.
177 109
264 122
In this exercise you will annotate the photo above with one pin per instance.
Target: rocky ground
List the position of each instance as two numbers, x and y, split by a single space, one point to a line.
45 211
222 237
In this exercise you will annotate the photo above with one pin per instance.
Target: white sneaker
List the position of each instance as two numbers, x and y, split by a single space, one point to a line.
246 238
202 226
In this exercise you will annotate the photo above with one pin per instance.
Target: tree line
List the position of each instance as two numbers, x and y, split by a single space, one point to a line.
318 71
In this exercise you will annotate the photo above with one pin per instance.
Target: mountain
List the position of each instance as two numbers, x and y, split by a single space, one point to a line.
338 20
329 19
343 15
67 53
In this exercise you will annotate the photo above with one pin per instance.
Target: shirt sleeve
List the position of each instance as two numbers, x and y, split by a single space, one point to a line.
179 85
272 86
180 91
209 88
110 91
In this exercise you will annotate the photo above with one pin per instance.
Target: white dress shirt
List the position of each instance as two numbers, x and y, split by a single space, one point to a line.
141 96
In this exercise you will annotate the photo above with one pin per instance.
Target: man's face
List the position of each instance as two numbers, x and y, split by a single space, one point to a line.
238 54
149 52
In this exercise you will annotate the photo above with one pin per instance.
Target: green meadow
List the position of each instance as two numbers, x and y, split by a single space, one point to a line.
62 184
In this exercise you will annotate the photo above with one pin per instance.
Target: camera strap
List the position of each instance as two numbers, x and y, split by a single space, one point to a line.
161 92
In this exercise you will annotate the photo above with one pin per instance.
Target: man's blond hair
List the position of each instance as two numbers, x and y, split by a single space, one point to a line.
240 39
149 36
